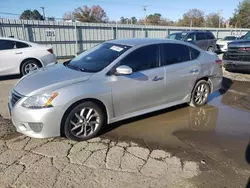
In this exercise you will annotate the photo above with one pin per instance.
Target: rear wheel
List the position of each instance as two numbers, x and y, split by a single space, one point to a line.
200 94
29 66
84 121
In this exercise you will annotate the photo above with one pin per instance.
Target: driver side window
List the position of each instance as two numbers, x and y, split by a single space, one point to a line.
192 36
144 58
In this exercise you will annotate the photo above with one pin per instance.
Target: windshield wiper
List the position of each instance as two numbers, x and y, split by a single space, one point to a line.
75 67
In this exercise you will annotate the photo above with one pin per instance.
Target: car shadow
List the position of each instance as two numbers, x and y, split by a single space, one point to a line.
11 77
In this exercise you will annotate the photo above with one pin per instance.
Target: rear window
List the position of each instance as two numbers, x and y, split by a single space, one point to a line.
21 45
210 35
194 53
178 36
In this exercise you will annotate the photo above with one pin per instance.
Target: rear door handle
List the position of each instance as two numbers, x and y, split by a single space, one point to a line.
157 78
194 71
18 52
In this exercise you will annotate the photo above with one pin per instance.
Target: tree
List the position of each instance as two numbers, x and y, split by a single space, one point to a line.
93 14
154 19
134 20
31 15
213 20
193 18
68 16
241 16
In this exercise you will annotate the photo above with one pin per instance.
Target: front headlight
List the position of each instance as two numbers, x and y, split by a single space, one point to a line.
40 101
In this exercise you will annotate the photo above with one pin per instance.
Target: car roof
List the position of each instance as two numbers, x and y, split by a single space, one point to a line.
193 31
139 41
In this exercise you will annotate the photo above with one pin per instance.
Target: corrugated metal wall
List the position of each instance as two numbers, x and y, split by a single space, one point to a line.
69 38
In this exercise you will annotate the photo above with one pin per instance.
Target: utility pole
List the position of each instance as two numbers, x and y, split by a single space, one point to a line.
145 14
219 13
43 12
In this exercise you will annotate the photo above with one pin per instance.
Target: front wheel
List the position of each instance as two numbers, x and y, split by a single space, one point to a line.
200 94
84 121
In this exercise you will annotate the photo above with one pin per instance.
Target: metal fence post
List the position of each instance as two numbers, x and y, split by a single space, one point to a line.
24 32
76 40
217 34
1 28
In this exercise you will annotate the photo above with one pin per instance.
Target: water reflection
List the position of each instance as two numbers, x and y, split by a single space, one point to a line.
159 129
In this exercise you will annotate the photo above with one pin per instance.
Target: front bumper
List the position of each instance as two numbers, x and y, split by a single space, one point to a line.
36 123
236 65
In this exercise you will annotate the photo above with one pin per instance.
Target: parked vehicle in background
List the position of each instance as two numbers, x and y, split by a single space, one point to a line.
113 81
203 39
238 55
223 43
22 57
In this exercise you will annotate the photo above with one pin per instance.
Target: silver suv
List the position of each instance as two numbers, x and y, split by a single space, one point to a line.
113 81
203 39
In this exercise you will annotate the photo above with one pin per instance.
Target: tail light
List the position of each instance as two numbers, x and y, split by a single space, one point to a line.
218 61
50 50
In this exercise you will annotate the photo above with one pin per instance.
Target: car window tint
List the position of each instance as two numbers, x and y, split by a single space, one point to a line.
210 35
201 36
7 44
194 53
175 53
21 45
191 36
142 59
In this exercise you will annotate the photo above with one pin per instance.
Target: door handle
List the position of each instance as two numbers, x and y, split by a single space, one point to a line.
157 78
18 52
194 71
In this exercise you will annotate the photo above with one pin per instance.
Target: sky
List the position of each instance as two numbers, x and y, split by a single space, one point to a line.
171 9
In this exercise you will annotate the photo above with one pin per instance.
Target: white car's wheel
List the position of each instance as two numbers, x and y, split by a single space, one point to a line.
29 66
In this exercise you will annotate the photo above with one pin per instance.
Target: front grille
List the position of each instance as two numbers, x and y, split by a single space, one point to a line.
235 54
14 98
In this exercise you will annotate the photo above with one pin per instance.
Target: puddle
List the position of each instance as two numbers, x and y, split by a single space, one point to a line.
226 115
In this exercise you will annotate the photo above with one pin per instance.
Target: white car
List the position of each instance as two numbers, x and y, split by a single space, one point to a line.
22 57
223 43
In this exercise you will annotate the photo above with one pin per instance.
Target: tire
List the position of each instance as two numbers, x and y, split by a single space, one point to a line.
30 64
75 126
201 95
210 49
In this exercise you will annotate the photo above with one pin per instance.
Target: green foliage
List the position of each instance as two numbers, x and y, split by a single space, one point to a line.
31 15
241 16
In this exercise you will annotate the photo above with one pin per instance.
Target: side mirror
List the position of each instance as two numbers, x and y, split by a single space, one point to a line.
124 70
189 40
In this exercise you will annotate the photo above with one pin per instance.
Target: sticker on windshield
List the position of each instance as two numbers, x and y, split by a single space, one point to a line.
116 48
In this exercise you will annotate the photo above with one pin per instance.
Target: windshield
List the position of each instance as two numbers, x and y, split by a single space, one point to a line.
247 36
230 38
178 36
97 58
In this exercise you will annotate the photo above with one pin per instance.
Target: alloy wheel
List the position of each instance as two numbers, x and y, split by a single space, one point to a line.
84 122
201 94
30 67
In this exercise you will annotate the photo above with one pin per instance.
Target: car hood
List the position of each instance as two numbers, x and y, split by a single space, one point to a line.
223 41
49 79
240 43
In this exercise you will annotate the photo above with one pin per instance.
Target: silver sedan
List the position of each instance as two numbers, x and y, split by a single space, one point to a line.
113 81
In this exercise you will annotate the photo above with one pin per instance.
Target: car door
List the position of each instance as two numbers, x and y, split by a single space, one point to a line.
144 87
201 40
181 71
10 56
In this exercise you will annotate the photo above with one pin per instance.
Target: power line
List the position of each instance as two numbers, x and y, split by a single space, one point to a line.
9 13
